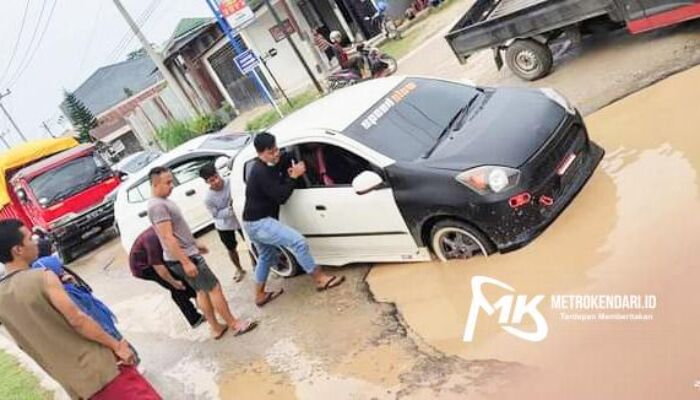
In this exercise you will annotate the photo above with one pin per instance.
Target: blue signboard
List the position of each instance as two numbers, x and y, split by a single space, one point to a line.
246 61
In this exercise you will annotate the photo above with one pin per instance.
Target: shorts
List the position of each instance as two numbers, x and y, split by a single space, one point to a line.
228 238
128 385
205 281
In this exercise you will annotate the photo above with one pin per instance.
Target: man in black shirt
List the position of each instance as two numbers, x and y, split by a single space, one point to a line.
271 181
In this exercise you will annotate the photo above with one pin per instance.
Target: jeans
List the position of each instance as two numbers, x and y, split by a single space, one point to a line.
267 235
180 297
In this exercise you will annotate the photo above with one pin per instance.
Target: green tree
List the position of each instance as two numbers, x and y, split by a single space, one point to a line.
81 117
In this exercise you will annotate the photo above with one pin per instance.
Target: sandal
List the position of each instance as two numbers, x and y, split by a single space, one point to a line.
239 275
333 282
250 325
221 334
269 296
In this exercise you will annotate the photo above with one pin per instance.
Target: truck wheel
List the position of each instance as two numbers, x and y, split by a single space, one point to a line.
64 253
455 240
287 265
529 59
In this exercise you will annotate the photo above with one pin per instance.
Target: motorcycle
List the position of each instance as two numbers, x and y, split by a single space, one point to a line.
374 64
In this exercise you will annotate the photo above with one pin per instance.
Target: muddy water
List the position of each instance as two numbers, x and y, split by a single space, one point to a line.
634 229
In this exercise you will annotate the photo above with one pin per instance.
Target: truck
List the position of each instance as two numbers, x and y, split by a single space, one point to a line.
60 189
524 31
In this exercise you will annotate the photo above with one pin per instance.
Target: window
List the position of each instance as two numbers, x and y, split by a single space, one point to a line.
69 178
139 193
328 165
189 170
408 121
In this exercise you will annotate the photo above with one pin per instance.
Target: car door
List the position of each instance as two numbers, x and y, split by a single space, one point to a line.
130 211
341 225
190 190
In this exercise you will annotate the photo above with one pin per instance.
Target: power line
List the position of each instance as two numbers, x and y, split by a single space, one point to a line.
31 40
38 45
19 37
129 36
91 37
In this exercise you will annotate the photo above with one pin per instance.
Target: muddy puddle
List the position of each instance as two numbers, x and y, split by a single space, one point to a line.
634 229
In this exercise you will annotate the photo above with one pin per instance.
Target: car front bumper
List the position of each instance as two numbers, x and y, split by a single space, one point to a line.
85 225
511 228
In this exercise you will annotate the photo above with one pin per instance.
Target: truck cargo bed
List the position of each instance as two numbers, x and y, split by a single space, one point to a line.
504 7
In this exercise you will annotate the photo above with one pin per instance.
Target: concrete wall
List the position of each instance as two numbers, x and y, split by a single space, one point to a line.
285 66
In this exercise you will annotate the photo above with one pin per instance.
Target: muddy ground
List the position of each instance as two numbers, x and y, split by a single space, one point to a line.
394 331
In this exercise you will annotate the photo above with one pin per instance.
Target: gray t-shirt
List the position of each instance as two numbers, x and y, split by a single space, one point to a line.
219 205
160 210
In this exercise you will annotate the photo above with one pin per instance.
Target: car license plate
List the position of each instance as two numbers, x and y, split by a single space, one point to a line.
91 232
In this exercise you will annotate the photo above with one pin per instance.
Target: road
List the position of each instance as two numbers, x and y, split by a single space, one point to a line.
394 331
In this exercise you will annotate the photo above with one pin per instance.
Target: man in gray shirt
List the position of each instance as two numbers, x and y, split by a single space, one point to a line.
219 203
182 255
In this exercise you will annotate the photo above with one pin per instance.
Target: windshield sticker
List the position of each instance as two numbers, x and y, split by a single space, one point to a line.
387 104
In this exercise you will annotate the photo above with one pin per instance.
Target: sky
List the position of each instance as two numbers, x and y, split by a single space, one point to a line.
80 37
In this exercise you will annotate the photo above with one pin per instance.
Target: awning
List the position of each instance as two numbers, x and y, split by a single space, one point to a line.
20 155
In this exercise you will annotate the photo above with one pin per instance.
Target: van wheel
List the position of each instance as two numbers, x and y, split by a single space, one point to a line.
456 240
287 265
529 59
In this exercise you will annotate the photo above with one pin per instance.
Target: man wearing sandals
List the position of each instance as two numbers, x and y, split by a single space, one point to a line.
183 255
271 181
218 202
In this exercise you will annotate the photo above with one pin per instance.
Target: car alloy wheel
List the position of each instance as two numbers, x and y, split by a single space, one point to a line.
455 240
287 265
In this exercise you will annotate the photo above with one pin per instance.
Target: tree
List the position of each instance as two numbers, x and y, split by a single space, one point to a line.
81 117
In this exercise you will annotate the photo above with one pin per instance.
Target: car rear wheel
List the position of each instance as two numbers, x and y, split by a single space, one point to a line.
287 265
456 240
529 59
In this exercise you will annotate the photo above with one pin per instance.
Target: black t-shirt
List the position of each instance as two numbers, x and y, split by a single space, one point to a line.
267 189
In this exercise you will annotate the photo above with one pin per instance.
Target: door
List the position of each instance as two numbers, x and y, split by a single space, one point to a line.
190 191
341 225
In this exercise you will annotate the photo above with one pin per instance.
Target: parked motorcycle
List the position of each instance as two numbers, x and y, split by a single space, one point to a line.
374 64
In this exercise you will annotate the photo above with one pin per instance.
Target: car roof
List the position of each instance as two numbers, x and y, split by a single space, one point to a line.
49 162
337 110
192 146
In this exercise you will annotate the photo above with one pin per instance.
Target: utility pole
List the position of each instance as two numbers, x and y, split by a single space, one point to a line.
157 60
2 137
278 21
46 126
7 114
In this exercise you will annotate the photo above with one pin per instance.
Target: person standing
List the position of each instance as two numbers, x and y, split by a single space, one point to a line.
146 262
183 255
219 203
271 181
48 326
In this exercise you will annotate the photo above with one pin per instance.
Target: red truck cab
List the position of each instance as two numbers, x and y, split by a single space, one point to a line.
65 195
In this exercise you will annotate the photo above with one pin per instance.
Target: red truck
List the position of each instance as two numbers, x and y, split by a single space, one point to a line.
60 188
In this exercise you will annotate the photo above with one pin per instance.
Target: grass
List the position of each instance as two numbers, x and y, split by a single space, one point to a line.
415 34
16 383
270 117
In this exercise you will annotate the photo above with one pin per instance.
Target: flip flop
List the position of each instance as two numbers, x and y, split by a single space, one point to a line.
239 276
220 335
333 282
269 296
251 325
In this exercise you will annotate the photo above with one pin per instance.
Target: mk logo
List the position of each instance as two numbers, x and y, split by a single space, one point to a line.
505 305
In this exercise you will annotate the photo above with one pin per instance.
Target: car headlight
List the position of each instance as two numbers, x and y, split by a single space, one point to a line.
489 179
559 99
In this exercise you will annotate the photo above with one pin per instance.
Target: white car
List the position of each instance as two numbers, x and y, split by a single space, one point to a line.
135 162
402 165
130 208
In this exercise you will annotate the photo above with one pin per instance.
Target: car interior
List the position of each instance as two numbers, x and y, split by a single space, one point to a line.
328 165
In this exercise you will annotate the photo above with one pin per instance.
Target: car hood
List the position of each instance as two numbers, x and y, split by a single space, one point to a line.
510 126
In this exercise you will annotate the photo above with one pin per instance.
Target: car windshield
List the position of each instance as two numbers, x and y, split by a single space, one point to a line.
139 161
225 142
72 177
406 124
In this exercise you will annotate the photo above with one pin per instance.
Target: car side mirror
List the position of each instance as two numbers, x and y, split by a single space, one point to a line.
21 195
222 165
123 176
366 182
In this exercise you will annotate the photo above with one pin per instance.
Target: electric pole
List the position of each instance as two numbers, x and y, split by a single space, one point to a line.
2 137
278 21
46 126
157 60
7 114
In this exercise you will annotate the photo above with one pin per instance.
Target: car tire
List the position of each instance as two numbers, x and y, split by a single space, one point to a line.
529 59
456 240
287 265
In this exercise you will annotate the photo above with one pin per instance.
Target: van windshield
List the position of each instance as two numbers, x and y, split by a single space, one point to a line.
68 179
